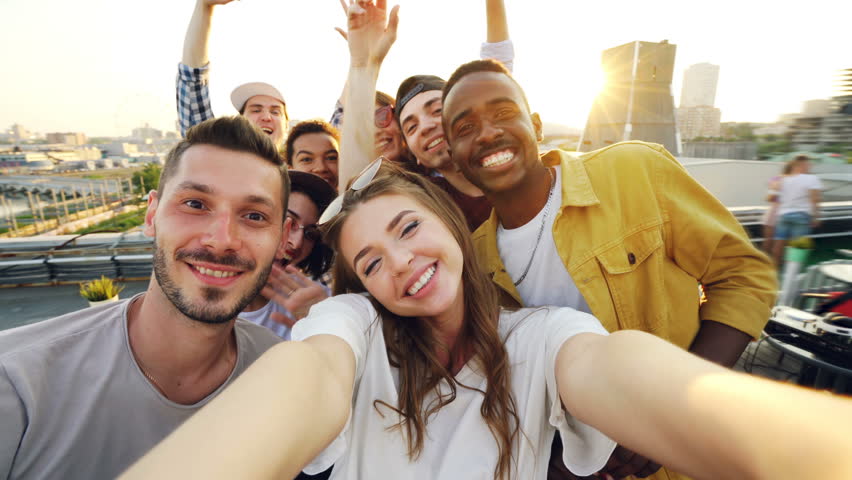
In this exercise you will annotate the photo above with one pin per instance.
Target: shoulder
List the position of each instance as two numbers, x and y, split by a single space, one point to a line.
545 321
58 332
631 153
259 338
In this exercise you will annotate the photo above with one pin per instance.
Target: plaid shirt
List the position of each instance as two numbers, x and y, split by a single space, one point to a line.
193 96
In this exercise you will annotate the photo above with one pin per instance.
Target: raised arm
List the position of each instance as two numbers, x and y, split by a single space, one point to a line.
497 24
497 44
371 33
276 417
198 33
699 418
192 91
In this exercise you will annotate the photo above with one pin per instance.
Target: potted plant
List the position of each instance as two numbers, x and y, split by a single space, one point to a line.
100 291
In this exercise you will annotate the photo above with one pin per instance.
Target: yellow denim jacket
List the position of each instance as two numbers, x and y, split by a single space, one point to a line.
637 234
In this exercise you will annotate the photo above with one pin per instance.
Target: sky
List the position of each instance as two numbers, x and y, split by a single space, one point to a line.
104 67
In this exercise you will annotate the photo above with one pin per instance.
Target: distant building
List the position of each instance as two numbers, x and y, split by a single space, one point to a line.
119 149
637 102
697 116
147 133
699 85
701 121
825 123
18 159
19 133
816 108
75 138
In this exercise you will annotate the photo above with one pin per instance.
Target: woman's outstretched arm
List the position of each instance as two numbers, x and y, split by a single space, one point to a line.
699 418
274 419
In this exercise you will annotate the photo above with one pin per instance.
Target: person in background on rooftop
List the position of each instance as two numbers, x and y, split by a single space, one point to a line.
798 205
623 232
428 378
770 217
86 394
313 147
418 102
261 103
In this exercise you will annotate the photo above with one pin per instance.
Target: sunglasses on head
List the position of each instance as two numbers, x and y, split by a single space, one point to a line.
362 180
383 116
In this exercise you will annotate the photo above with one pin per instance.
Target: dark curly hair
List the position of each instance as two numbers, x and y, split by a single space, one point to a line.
305 127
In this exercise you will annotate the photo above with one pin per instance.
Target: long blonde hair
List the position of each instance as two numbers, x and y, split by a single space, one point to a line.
412 345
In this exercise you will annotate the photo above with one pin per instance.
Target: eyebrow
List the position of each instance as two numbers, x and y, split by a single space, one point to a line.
391 225
492 102
261 200
426 106
200 187
291 212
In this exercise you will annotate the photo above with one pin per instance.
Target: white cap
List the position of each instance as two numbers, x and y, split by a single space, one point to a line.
241 94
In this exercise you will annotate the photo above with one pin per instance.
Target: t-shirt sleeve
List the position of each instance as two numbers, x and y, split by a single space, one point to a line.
815 183
503 52
585 449
352 318
12 423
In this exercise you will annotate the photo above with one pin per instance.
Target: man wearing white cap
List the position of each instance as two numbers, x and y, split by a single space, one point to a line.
261 103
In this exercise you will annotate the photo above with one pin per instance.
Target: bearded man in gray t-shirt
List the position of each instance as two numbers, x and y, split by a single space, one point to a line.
86 394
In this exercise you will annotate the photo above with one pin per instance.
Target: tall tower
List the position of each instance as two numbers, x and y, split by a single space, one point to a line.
636 103
699 85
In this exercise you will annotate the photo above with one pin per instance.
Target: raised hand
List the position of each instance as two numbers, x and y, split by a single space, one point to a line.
370 30
217 2
291 289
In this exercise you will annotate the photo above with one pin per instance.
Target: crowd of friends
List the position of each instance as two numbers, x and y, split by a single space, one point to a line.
415 292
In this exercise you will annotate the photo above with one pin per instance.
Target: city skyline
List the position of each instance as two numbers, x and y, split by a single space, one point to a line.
104 68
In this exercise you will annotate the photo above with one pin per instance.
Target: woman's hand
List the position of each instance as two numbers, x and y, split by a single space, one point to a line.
293 290
371 32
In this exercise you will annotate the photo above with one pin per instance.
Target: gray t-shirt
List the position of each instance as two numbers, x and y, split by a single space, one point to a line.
74 403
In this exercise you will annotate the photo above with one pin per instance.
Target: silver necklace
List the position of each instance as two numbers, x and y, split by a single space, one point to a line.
541 228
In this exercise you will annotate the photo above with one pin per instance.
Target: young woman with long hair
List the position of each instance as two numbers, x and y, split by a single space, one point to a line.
413 371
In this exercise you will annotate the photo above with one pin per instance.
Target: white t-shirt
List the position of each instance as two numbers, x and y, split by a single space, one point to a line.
458 443
795 193
263 317
547 281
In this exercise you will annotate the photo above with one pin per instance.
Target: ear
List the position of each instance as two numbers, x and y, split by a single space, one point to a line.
153 203
536 121
285 235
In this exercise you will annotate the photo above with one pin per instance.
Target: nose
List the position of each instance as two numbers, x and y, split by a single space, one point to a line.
488 133
321 166
266 114
400 261
430 124
222 235
297 236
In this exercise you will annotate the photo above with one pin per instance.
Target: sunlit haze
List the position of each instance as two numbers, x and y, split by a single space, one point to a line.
104 67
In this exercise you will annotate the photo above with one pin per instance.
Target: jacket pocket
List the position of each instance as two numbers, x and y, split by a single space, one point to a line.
633 269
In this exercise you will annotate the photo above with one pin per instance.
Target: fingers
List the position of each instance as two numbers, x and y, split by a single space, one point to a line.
345 7
342 33
382 4
298 276
393 21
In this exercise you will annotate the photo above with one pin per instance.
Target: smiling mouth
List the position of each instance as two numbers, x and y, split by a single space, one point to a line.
267 130
435 143
383 143
215 273
496 159
422 281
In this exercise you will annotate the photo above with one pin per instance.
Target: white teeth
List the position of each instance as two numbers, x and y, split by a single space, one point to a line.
215 273
383 143
287 257
268 131
427 275
435 143
497 159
